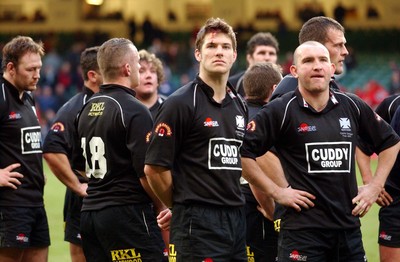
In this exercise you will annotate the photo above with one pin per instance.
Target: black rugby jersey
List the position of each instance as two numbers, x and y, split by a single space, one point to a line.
253 107
154 108
199 139
386 110
388 107
62 136
20 142
316 150
113 127
393 180
237 83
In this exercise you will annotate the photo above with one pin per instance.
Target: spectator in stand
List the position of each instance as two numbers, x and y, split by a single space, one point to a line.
47 100
64 75
351 59
51 64
394 86
148 31
339 13
287 63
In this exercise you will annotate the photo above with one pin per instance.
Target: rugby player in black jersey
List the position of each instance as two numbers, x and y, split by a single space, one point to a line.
389 214
193 162
118 222
388 107
261 47
261 239
328 32
151 76
61 148
24 230
315 131
331 34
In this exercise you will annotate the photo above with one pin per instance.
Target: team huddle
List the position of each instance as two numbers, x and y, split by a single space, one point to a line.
249 167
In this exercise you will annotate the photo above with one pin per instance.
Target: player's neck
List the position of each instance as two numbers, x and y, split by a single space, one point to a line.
8 77
95 88
318 101
218 83
148 99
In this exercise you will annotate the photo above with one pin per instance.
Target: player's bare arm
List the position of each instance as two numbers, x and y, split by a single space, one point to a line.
160 181
364 164
296 199
369 193
61 168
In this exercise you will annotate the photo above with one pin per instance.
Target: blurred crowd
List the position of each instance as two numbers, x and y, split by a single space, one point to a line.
61 77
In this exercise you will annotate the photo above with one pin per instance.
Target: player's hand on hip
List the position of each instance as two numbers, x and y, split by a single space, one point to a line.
82 190
10 178
164 219
294 198
384 198
367 195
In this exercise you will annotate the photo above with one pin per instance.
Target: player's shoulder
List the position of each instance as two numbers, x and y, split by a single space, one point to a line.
390 100
284 98
74 104
287 84
346 96
185 95
234 78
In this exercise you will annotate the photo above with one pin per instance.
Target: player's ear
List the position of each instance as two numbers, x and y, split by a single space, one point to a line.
90 74
11 67
126 69
333 69
274 87
293 71
197 55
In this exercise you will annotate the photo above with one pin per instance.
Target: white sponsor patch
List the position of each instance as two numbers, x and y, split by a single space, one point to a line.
329 157
31 140
224 154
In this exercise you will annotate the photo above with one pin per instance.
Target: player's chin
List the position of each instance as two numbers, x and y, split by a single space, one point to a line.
339 69
31 88
221 70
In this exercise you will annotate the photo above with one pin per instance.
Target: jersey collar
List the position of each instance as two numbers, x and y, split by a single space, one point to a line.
109 87
331 103
230 91
87 91
14 91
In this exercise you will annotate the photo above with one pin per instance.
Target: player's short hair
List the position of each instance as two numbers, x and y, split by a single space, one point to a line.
215 25
316 29
298 51
112 55
18 47
88 61
145 56
261 38
259 80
